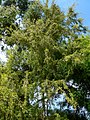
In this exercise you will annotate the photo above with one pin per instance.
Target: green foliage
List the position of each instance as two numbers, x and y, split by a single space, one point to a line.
43 56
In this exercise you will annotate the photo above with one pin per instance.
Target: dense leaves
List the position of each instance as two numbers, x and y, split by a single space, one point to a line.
47 68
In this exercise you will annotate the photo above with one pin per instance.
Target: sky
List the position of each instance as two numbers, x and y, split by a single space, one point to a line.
82 7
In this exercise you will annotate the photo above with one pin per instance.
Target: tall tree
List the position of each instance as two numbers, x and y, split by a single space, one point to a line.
45 53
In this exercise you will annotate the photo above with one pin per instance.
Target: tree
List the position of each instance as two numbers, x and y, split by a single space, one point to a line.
43 56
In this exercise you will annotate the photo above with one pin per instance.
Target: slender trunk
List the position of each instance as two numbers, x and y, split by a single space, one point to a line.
43 104
47 108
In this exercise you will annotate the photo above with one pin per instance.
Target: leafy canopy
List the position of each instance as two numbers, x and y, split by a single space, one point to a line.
44 52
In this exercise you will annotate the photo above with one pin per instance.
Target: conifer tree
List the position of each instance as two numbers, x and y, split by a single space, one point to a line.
45 53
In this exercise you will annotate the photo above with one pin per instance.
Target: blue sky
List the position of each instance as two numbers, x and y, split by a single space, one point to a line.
82 7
